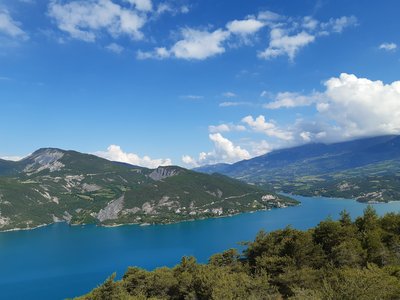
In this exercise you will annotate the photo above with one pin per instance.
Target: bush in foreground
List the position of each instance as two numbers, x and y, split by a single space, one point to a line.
335 260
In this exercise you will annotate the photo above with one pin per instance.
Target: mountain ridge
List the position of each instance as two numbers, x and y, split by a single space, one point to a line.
55 185
321 169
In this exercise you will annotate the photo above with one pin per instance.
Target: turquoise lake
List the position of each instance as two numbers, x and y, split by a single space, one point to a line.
60 261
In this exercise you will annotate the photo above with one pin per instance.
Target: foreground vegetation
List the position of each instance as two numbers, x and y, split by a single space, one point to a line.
335 260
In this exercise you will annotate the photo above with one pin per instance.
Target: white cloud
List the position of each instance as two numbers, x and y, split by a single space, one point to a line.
197 44
115 153
266 94
143 5
113 47
270 129
287 37
260 148
164 7
224 151
157 53
10 27
339 24
184 9
282 43
229 95
190 161
306 136
225 128
85 19
194 45
349 107
361 106
245 27
269 17
233 103
12 158
290 100
192 97
310 23
388 46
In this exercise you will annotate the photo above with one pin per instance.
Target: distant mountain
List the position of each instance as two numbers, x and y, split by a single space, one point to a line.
53 185
367 169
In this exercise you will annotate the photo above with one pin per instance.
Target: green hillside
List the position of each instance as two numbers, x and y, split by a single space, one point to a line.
336 260
366 169
54 185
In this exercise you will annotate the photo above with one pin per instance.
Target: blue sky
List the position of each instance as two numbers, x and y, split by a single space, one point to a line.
195 82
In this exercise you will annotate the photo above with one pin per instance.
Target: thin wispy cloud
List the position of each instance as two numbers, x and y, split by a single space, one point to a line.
10 27
192 97
234 103
388 46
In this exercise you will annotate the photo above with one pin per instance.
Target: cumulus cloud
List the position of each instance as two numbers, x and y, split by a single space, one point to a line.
260 148
388 46
349 107
361 106
10 27
287 37
224 151
84 20
245 27
282 43
200 45
194 45
115 153
190 161
269 128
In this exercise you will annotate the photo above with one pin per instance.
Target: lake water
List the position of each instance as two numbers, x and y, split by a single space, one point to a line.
60 261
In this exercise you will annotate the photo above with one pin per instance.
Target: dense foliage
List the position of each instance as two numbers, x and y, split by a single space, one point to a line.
335 260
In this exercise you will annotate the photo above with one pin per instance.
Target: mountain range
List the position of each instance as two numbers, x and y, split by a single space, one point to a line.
54 185
366 169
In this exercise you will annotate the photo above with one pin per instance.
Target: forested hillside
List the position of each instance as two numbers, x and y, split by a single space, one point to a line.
54 185
367 170
336 260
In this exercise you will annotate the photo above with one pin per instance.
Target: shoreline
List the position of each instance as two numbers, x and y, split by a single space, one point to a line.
147 224
197 219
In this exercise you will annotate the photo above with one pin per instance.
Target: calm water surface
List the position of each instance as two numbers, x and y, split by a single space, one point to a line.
60 261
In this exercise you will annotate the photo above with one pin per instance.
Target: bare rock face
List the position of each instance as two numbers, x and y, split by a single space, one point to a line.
46 159
163 172
112 210
90 187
